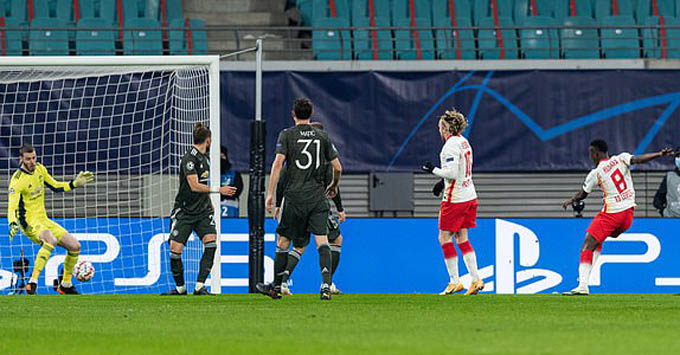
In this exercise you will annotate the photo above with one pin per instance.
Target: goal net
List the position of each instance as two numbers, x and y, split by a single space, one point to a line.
129 121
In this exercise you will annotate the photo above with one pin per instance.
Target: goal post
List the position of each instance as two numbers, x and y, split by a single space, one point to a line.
129 120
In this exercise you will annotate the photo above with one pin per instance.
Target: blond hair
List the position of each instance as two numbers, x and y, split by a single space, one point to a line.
456 123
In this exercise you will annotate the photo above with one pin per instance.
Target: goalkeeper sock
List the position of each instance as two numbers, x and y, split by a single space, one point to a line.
41 260
280 261
206 262
451 260
69 263
335 258
293 258
470 259
585 267
325 261
177 269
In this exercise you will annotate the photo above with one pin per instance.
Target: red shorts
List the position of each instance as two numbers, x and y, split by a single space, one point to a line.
454 216
610 224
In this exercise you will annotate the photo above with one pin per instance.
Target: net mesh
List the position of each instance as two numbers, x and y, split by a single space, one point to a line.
128 125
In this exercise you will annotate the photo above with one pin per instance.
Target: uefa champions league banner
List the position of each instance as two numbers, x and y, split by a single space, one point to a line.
519 256
519 120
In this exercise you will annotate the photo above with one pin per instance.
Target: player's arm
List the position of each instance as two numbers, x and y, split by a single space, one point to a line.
332 189
644 158
13 205
59 186
189 169
588 186
450 168
277 165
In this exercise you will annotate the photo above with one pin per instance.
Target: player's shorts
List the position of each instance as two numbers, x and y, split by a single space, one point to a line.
455 216
181 226
37 226
298 220
610 224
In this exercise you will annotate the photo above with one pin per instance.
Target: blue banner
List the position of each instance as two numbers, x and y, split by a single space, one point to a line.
378 256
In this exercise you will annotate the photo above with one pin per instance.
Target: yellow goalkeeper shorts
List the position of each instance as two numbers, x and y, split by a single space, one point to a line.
37 226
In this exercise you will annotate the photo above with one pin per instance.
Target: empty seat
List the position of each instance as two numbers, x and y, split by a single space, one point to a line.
14 9
103 9
362 9
538 40
648 8
580 42
61 9
447 9
524 9
455 43
496 43
372 44
187 37
606 8
330 8
330 39
407 9
95 36
133 9
143 36
13 32
306 9
485 9
45 37
572 8
619 42
173 11
659 41
415 43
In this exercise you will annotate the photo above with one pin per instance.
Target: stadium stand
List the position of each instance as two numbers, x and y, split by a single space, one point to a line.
93 38
48 36
619 42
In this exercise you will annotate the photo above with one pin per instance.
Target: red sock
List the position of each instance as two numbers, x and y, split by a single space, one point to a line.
599 248
449 250
586 257
465 247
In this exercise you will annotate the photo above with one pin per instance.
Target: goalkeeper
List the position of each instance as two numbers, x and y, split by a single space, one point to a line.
27 211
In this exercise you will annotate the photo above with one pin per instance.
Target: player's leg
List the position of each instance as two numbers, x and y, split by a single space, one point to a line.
280 259
599 229
72 246
470 259
451 261
180 230
205 228
40 235
336 249
318 226
293 258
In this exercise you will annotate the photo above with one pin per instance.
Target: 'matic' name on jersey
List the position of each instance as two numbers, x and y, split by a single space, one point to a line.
193 203
457 155
614 178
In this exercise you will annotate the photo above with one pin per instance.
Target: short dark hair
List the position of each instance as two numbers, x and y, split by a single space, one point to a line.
317 125
600 144
26 148
303 108
201 133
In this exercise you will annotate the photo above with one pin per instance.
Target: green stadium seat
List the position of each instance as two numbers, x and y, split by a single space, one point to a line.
541 41
363 41
329 41
645 9
44 40
619 43
483 9
405 43
523 9
441 10
14 9
173 11
179 33
95 36
361 9
605 8
563 9
322 8
133 9
306 9
13 32
61 9
488 42
104 9
580 43
447 44
401 10
143 36
653 43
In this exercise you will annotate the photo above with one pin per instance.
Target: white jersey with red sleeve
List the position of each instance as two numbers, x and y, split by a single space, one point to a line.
456 169
613 177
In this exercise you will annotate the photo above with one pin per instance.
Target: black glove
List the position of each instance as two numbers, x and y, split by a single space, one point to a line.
438 188
578 207
428 167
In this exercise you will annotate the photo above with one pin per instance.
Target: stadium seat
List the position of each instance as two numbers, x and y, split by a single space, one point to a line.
329 42
605 8
104 9
43 40
580 43
330 8
361 9
523 9
93 38
447 43
14 9
539 42
441 9
405 42
363 40
61 9
653 40
571 8
484 9
488 42
646 8
134 9
619 43
401 9
143 37
187 36
173 11
13 32
306 9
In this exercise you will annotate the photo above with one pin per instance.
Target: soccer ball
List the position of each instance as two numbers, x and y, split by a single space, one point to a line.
83 271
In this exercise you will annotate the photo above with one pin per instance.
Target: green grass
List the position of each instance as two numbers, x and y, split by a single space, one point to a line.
407 324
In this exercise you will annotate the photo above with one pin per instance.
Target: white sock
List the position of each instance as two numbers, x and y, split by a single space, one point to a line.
199 285
181 289
452 266
66 284
33 281
584 274
471 264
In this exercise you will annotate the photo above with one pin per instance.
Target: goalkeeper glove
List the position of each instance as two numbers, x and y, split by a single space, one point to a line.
13 230
428 167
438 187
83 178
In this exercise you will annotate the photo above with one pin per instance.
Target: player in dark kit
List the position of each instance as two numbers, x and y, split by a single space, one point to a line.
304 209
193 211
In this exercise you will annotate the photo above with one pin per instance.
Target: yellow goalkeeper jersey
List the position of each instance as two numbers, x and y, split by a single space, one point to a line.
27 194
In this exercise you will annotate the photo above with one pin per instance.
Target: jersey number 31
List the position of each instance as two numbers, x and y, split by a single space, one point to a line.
305 151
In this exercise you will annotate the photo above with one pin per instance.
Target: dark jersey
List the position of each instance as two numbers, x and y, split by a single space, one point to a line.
308 151
329 178
193 163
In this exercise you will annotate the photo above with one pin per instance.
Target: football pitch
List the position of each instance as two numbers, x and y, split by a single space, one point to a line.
388 324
